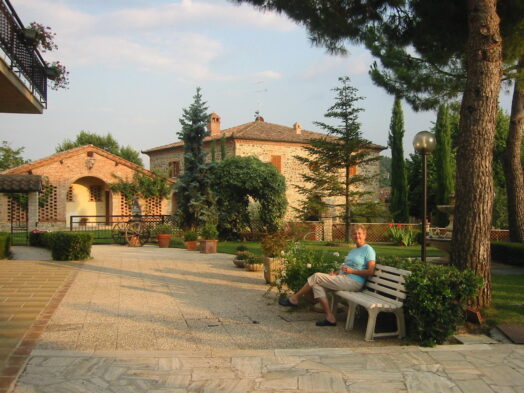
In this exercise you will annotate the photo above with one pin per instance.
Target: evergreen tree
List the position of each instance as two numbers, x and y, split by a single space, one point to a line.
444 165
196 201
222 148
9 157
399 186
332 159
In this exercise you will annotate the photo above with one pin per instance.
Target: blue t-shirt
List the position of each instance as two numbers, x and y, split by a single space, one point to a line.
358 259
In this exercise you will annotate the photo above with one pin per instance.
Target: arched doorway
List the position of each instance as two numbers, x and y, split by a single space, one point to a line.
88 196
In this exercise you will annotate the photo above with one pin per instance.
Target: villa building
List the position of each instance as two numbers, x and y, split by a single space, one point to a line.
273 143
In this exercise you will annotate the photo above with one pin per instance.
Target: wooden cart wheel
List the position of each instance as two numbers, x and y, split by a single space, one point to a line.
117 232
136 234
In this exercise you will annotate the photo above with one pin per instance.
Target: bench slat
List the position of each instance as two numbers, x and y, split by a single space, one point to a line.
395 293
389 276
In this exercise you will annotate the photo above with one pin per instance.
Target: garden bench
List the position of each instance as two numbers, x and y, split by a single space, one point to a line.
385 291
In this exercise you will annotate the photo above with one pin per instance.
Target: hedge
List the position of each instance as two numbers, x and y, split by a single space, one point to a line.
64 246
436 298
506 252
5 245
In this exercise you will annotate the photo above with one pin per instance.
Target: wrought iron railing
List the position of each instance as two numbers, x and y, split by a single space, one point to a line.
24 59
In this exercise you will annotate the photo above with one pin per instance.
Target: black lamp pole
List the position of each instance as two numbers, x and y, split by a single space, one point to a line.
424 143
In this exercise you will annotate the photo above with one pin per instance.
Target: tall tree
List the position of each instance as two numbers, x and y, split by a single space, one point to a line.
399 183
196 201
9 157
444 162
417 24
106 142
335 159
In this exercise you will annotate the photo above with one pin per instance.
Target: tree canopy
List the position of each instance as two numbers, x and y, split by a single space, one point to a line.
106 142
10 157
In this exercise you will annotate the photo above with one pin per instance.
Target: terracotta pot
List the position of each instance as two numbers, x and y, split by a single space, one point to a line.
164 239
192 245
208 246
272 266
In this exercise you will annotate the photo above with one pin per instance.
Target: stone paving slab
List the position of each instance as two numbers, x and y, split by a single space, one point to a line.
169 320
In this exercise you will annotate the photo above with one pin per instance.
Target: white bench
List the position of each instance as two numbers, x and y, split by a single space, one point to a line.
385 291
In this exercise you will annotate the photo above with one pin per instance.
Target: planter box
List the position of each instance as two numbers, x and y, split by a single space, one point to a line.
272 266
192 245
254 267
208 246
238 262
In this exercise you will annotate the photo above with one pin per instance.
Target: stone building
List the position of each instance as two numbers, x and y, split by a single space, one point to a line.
77 185
269 142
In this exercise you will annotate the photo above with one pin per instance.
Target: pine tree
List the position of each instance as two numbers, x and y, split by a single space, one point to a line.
443 162
399 183
332 159
196 201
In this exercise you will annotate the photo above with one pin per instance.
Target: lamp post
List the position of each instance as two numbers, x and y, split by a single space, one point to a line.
424 143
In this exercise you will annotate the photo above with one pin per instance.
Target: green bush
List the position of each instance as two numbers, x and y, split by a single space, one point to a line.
251 259
190 236
403 236
300 263
209 231
163 229
66 246
176 243
5 244
36 238
506 252
436 297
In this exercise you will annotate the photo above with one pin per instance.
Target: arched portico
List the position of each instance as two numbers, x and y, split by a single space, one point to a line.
88 196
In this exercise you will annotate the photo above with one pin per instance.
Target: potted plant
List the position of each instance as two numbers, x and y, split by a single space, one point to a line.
241 249
39 36
209 234
58 73
240 259
164 233
253 263
190 239
273 246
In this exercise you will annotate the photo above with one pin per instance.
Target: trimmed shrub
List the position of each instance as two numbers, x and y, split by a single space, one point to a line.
37 238
69 246
506 252
5 245
436 298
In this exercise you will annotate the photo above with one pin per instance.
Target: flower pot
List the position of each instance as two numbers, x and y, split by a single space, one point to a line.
52 73
238 263
254 267
192 245
272 266
208 246
30 36
164 239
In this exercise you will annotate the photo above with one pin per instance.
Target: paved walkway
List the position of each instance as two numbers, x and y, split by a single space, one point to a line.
169 320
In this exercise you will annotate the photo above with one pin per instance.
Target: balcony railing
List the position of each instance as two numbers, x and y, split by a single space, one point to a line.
22 57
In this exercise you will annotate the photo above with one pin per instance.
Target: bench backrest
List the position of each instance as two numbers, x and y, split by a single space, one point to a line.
387 283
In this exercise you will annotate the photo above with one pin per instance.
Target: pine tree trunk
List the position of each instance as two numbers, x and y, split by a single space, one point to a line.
474 188
346 209
513 163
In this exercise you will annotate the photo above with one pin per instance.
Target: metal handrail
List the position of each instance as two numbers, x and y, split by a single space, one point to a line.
25 59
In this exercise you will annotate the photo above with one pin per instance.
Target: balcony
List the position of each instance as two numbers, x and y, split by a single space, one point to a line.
23 82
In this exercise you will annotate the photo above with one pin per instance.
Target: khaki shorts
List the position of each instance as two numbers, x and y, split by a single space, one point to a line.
322 281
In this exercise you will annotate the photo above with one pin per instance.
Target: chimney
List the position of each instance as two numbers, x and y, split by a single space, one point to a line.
214 124
298 128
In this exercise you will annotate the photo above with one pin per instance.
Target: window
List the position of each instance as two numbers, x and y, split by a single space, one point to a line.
276 161
174 168
353 170
95 194
69 195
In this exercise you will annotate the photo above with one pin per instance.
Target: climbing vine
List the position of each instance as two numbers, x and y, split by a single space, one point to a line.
142 186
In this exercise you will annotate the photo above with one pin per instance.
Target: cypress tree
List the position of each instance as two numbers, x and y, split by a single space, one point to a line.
444 164
399 183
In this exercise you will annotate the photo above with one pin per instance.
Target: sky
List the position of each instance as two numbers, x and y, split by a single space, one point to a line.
135 64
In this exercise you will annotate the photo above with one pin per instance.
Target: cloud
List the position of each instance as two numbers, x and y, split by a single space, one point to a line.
151 39
351 64
189 12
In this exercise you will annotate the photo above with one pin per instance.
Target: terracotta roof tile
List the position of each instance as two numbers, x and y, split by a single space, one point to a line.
20 183
257 130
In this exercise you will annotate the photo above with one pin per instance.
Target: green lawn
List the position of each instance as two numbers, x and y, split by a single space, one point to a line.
382 249
508 300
